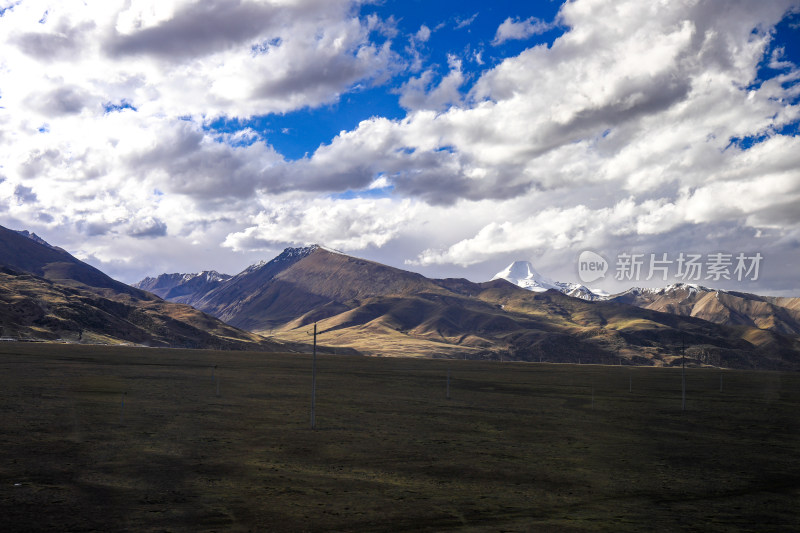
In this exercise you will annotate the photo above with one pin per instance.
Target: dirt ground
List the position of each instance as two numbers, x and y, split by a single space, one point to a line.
97 438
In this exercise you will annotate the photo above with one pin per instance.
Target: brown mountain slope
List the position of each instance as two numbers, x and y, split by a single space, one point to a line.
382 310
781 315
301 281
46 294
516 324
34 308
789 303
22 253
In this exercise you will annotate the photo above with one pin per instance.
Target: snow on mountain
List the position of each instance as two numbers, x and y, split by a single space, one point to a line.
207 276
669 290
523 274
288 254
176 287
576 290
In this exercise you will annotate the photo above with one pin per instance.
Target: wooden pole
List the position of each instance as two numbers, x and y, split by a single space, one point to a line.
448 383
314 380
122 408
683 373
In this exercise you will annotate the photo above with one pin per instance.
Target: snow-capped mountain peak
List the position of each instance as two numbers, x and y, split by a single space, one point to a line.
288 254
523 274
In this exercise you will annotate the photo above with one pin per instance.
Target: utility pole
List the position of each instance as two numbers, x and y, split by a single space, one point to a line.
122 408
314 379
683 372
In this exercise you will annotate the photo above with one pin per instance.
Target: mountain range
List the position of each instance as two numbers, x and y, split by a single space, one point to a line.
777 314
47 294
365 307
381 310
772 313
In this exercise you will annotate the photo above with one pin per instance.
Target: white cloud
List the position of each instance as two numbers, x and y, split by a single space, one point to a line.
465 22
423 34
75 156
187 58
421 93
516 29
617 134
353 224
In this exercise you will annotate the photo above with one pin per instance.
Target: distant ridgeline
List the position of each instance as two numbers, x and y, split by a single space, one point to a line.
519 315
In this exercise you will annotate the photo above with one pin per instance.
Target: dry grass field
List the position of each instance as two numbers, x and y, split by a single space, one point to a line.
98 438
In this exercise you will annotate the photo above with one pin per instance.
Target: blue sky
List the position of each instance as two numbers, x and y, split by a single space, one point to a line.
460 29
449 138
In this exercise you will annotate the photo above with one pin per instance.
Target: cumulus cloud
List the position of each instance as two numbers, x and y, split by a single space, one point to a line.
192 29
352 224
421 93
63 100
24 194
62 43
423 34
643 124
516 29
105 105
181 57
147 227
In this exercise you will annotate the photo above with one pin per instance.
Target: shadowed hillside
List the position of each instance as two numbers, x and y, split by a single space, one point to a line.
46 294
23 253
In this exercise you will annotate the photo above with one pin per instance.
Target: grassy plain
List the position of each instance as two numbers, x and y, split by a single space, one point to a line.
101 438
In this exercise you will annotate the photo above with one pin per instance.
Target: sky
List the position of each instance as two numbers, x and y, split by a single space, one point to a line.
447 138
